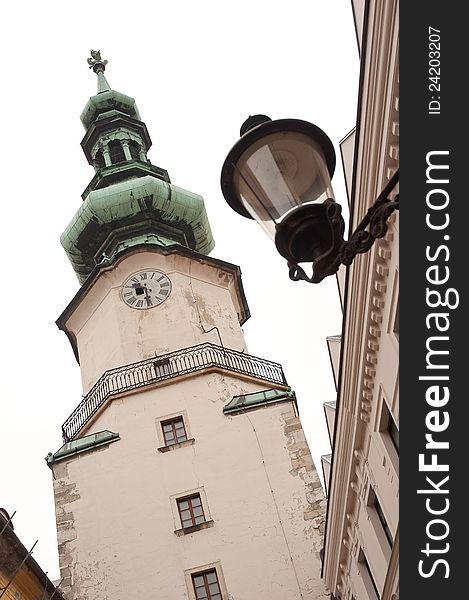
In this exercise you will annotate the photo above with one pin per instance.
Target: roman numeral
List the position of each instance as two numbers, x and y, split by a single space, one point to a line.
134 279
132 300
143 276
139 303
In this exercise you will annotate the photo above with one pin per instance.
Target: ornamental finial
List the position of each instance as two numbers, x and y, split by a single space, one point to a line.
98 65
96 62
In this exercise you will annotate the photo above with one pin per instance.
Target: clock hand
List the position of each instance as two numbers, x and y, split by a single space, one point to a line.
147 295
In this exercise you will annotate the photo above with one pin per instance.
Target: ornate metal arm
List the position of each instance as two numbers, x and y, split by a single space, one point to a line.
359 242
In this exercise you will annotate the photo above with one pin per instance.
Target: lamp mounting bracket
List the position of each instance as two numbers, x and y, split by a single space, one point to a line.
359 242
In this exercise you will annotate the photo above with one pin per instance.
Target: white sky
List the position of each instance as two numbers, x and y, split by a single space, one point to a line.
197 70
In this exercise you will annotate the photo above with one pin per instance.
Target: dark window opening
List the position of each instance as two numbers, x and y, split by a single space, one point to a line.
134 150
206 586
362 561
396 322
388 425
383 521
162 367
374 502
394 433
99 159
116 152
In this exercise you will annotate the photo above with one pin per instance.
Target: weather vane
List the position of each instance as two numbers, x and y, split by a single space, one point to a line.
96 62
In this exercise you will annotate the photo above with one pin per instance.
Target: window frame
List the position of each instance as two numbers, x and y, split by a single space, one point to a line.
214 566
193 517
134 148
367 575
375 509
393 313
99 161
207 584
172 422
165 419
383 521
386 423
179 529
116 152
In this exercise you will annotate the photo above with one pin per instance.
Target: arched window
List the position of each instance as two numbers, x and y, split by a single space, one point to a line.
134 150
116 152
99 160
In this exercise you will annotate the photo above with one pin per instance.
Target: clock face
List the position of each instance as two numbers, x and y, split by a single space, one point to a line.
146 289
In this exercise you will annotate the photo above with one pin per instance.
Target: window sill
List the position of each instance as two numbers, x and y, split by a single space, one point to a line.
186 530
178 445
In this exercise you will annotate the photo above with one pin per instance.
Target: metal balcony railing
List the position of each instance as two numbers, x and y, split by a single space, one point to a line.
167 366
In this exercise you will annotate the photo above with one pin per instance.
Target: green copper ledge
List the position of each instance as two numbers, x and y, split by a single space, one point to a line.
257 399
88 442
144 210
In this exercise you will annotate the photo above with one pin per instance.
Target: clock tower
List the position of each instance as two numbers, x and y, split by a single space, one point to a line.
184 471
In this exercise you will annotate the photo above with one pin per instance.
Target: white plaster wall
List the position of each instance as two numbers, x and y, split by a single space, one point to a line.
111 334
119 534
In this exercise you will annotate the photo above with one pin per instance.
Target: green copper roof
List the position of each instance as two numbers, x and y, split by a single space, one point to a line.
129 201
147 210
104 102
246 401
87 442
106 99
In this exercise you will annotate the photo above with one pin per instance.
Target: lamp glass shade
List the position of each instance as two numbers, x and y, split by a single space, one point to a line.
278 173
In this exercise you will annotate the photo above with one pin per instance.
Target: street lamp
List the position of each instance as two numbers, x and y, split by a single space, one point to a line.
279 173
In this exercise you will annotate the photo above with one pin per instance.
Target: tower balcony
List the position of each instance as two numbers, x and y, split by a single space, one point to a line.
153 370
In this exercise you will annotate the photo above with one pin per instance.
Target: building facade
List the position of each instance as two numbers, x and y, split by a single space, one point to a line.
21 578
362 528
185 472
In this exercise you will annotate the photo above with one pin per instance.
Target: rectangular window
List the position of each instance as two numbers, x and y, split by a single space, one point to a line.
191 511
374 503
383 521
396 322
388 425
206 586
174 431
393 432
368 578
